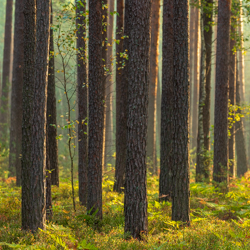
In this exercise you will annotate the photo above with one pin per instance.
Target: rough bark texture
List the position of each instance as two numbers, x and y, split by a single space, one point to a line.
121 104
201 167
137 28
96 108
51 114
16 96
180 146
82 104
232 98
240 139
4 111
38 151
220 173
28 89
166 164
154 52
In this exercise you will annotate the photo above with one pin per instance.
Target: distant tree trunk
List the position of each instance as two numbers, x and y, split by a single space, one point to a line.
196 78
154 51
240 138
202 173
121 104
16 96
38 151
232 98
180 145
220 173
51 113
137 28
4 112
166 164
28 95
82 104
96 108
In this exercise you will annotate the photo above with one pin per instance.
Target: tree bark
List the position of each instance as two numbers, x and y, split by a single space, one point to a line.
220 173
4 112
180 145
153 76
137 28
38 151
166 150
16 96
28 95
121 103
96 108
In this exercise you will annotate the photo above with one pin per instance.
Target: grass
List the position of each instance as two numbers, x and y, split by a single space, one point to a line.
219 221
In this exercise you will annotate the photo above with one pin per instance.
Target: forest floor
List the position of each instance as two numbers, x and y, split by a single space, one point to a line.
218 221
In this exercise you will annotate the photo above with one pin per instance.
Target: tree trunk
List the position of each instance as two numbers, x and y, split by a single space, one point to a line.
96 108
38 151
180 145
121 103
154 52
51 114
16 96
137 28
28 95
82 104
220 173
4 112
166 164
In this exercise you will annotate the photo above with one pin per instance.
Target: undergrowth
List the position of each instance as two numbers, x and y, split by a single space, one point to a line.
218 221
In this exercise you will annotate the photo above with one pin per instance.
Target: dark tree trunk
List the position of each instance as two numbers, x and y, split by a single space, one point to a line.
137 28
4 111
232 98
180 145
154 51
240 138
121 104
82 104
16 96
28 94
38 151
96 108
51 114
166 165
220 173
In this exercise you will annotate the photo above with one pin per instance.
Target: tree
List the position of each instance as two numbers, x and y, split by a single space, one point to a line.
82 102
96 109
4 112
166 164
121 104
28 89
154 51
16 96
180 145
137 28
220 173
38 151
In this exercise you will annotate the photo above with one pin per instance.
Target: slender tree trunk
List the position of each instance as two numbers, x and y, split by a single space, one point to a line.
121 103
4 111
28 94
96 108
220 173
82 103
137 28
180 145
166 165
51 114
154 51
201 167
16 96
